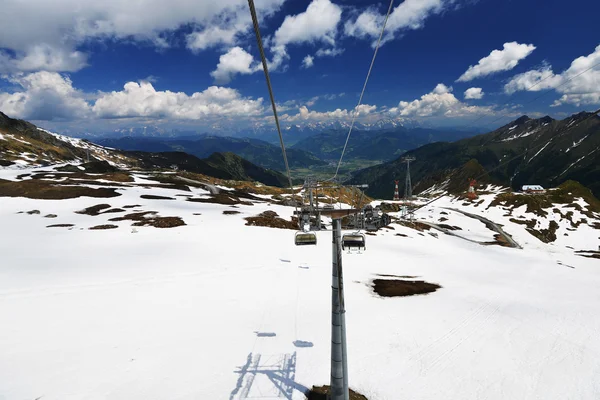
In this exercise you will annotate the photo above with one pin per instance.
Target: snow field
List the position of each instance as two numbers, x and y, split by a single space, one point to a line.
174 313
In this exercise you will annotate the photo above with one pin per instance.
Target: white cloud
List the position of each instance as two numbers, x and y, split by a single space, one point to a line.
235 61
45 96
143 100
474 93
579 84
438 103
210 37
408 15
308 61
318 24
498 60
305 115
59 27
332 52
42 57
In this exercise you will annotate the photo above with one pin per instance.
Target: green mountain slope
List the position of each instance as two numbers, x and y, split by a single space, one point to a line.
527 151
256 151
380 145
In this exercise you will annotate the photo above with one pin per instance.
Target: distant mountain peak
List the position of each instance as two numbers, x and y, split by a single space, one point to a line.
521 120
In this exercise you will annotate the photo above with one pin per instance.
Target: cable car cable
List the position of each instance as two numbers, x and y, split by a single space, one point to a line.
364 88
271 96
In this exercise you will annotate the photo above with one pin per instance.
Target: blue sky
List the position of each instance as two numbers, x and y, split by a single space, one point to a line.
84 66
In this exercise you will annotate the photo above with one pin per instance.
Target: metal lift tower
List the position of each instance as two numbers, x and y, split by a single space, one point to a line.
408 184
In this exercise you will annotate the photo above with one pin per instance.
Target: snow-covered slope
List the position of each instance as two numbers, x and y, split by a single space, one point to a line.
216 309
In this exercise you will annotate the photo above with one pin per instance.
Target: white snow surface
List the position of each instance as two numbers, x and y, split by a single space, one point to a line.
176 313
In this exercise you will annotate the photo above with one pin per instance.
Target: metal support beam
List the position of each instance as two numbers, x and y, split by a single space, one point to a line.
339 364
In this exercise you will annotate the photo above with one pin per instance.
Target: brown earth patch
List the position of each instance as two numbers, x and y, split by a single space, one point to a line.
230 212
400 288
272 220
132 206
322 393
60 226
113 210
450 227
45 190
590 253
401 234
100 227
50 216
32 212
149 218
221 198
93 210
398 276
154 197
419 226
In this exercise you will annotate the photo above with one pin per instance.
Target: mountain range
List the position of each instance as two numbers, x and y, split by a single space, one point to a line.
24 144
540 151
256 151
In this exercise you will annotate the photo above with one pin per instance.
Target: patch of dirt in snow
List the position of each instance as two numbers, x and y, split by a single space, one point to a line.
155 197
46 190
93 210
272 220
230 212
60 226
101 227
149 218
221 198
322 393
401 288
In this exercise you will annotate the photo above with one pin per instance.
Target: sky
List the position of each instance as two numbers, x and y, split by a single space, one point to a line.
81 66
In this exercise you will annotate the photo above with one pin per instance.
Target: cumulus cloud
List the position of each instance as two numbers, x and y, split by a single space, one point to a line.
42 57
235 61
305 115
46 35
438 103
318 24
143 100
579 84
498 60
210 37
44 96
308 61
408 15
474 93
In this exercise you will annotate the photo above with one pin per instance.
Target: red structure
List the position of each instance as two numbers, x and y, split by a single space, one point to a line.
471 194
396 193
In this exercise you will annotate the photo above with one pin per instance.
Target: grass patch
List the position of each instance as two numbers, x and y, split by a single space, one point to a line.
401 288
132 206
60 226
272 220
230 212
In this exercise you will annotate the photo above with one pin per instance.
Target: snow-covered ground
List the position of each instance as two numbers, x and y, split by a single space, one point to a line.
219 310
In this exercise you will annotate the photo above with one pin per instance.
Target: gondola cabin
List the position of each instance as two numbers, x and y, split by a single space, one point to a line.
305 238
354 241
